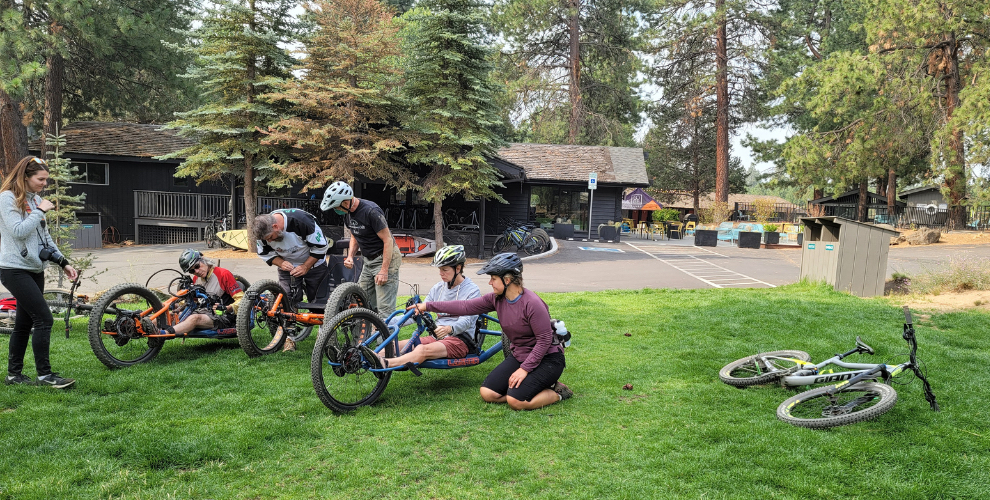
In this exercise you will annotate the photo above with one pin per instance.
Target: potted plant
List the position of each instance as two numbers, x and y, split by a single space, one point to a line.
713 215
770 234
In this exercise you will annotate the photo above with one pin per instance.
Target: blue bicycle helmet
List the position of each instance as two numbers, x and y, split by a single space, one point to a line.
502 264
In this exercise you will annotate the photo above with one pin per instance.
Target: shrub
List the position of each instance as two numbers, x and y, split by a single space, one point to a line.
715 213
666 214
770 228
763 209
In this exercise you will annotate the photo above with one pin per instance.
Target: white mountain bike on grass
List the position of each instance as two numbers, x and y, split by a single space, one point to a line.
855 398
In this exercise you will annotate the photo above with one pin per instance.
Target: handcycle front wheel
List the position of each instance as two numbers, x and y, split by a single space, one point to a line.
112 328
758 370
347 384
257 332
346 295
816 409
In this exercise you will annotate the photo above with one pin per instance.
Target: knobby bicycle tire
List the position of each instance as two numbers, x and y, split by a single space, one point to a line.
350 385
115 351
257 333
751 371
501 243
857 403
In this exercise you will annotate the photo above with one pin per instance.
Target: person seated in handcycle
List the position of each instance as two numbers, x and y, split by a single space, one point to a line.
219 284
454 334
529 379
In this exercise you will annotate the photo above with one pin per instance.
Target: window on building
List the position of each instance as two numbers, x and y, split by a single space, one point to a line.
92 173
561 204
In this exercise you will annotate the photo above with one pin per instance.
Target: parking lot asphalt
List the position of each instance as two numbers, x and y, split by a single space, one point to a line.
631 264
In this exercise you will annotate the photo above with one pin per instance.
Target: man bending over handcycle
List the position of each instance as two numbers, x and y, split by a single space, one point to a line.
219 283
454 334
528 379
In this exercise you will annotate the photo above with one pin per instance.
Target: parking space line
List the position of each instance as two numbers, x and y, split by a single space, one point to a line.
687 261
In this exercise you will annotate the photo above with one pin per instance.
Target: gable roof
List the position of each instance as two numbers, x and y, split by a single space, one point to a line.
852 196
558 162
682 200
919 190
119 139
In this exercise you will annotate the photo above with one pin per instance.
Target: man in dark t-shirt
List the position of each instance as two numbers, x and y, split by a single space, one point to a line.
369 232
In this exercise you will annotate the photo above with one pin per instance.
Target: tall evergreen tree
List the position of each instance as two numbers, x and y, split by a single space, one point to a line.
453 102
104 59
238 59
344 116
726 38
572 68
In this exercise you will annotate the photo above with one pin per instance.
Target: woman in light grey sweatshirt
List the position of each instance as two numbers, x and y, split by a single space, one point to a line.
25 246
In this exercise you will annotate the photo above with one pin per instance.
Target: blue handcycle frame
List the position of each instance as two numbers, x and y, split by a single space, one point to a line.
424 323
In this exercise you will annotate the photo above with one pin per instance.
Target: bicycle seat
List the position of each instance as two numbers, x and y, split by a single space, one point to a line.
311 306
862 346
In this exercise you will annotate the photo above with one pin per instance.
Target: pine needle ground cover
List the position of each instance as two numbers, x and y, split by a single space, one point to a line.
204 421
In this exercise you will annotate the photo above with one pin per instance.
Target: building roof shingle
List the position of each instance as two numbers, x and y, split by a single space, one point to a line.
120 139
556 162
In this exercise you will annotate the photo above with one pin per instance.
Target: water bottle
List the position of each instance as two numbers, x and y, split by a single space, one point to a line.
560 329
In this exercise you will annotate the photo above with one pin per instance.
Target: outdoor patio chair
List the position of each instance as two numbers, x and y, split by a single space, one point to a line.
725 231
657 229
675 227
689 228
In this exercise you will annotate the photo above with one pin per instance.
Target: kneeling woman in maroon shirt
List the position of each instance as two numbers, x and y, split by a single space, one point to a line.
528 379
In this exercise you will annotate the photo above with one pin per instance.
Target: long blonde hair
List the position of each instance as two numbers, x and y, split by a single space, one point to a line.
16 180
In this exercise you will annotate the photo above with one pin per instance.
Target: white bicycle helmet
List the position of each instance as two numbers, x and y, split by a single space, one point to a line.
335 194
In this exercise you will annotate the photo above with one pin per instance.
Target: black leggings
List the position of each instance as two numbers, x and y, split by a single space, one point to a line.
32 312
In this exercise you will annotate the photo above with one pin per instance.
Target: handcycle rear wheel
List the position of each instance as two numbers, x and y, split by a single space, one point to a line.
113 331
752 370
814 409
257 332
350 385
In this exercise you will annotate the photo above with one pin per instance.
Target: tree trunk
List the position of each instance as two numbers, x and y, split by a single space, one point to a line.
891 196
955 174
54 79
863 197
250 203
818 194
574 29
721 107
882 185
14 133
438 223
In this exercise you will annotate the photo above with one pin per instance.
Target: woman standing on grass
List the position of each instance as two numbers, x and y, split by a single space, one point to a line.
528 379
25 245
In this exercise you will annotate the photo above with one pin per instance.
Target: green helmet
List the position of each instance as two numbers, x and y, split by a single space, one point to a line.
449 255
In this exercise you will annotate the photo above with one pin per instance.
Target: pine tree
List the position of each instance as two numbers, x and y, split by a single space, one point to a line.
238 59
571 68
453 102
344 116
62 220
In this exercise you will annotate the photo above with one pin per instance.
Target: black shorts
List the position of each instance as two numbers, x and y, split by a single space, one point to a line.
544 376
224 321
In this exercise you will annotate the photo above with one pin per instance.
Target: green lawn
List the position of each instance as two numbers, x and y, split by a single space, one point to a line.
204 421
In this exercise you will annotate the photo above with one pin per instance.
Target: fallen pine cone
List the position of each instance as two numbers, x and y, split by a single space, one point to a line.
627 334
627 387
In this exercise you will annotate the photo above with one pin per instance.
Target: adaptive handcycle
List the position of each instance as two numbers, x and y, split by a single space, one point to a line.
125 324
855 398
345 380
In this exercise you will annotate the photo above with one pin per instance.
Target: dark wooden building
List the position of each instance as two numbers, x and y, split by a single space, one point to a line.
138 197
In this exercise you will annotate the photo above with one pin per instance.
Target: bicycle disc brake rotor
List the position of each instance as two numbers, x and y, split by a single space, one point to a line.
835 410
